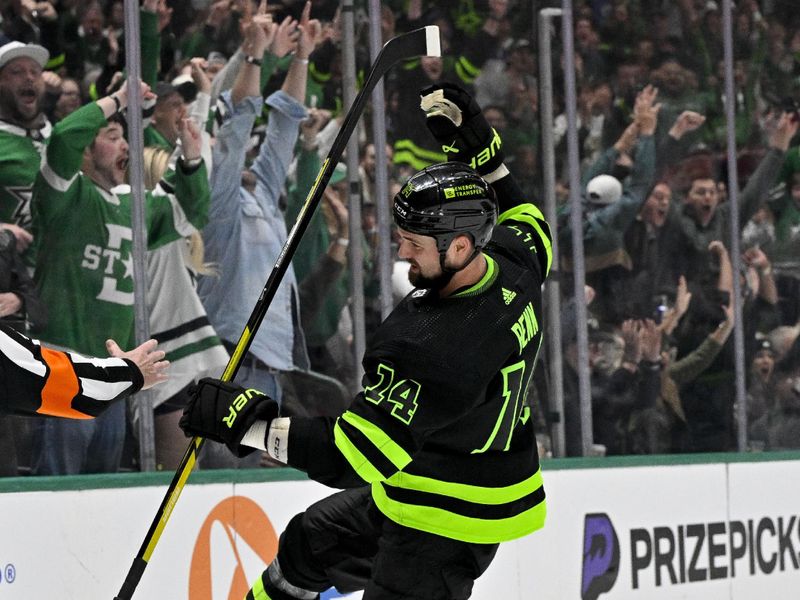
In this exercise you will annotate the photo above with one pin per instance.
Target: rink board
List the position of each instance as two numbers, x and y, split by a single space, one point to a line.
708 527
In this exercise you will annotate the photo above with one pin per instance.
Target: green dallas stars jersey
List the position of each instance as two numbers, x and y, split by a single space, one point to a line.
21 151
443 430
84 264
21 148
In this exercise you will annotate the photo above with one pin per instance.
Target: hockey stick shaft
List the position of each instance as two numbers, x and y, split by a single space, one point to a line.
424 41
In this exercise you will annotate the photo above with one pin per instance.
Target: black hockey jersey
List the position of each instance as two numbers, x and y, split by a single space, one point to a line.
443 430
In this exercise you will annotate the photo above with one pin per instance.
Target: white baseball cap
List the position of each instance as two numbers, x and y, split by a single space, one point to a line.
13 50
603 189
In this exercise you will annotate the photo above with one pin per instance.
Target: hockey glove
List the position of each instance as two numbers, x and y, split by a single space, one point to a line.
457 123
223 412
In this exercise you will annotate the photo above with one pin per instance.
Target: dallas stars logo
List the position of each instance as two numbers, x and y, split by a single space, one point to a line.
106 258
21 214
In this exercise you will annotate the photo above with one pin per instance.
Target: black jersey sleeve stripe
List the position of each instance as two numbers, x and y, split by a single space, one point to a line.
102 371
23 371
367 450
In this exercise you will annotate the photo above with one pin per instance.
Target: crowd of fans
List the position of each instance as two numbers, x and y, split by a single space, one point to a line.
242 100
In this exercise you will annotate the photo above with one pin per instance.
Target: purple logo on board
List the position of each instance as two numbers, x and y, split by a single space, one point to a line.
600 556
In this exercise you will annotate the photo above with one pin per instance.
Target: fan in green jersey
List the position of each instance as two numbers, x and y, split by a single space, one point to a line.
23 132
84 268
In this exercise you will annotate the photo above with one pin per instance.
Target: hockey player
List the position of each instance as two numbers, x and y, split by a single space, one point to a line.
437 454
35 380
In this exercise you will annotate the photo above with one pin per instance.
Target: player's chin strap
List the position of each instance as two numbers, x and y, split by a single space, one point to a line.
451 270
448 272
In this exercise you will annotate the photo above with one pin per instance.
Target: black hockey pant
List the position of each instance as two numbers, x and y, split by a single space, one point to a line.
345 542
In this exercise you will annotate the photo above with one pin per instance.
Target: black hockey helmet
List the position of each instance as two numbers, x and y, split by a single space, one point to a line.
445 200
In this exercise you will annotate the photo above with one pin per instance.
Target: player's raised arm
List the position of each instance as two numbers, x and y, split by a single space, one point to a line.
458 124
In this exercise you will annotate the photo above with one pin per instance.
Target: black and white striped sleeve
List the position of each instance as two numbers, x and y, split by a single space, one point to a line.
44 381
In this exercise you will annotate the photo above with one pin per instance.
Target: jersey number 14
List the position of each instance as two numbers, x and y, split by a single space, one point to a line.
403 393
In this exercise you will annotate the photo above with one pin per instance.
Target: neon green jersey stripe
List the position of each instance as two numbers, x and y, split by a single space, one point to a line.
488 277
470 493
528 213
317 74
358 461
391 449
258 591
468 529
466 70
55 62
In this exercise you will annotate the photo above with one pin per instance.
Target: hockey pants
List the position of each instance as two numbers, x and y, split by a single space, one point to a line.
345 542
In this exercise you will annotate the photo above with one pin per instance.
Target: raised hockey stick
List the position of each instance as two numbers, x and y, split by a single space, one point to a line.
421 42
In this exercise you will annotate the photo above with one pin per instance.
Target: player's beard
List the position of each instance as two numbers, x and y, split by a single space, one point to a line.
436 282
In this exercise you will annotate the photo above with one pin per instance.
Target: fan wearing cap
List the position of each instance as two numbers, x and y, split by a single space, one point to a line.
603 190
609 207
437 453
24 129
761 389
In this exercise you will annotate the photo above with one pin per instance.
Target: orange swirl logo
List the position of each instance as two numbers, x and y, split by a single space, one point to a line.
235 543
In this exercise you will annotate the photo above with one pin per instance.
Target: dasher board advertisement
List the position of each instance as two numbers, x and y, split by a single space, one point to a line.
719 530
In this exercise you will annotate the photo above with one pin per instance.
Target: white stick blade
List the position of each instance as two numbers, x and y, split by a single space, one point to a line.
432 45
